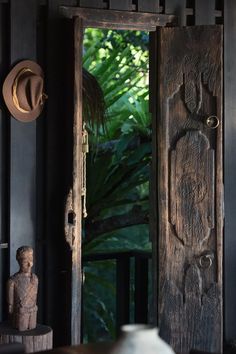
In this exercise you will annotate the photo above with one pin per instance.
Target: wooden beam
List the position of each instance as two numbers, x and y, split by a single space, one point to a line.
117 19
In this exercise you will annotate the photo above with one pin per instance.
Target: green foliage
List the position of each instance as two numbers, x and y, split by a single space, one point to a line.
99 310
118 166
121 68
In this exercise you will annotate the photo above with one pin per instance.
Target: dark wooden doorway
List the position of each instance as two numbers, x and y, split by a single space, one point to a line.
98 19
186 101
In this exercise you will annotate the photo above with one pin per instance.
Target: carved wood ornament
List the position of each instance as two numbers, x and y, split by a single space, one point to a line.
190 185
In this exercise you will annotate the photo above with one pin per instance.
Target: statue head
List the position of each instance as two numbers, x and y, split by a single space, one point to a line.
24 256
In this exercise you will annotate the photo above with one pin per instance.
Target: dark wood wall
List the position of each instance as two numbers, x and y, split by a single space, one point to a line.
35 157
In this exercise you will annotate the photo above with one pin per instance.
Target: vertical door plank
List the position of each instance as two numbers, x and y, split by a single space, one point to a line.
125 5
23 138
148 6
205 12
230 167
190 188
77 187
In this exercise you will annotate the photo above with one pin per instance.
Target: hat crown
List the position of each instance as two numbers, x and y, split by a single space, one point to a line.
23 91
27 90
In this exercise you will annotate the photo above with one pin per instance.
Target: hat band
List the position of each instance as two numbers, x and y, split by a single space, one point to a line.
14 90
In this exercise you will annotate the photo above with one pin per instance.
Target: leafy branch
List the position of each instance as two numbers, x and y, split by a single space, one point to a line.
136 216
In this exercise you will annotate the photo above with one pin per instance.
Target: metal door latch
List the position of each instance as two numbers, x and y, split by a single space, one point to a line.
206 260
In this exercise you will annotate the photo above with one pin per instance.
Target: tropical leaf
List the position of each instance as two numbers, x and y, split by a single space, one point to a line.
118 178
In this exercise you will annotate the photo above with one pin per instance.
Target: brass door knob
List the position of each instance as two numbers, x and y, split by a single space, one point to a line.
212 122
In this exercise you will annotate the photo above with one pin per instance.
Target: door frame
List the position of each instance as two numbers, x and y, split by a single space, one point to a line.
118 20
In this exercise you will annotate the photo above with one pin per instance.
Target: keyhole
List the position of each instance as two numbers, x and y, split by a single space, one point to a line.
71 218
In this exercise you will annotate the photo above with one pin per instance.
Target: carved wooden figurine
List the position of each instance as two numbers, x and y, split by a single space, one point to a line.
22 288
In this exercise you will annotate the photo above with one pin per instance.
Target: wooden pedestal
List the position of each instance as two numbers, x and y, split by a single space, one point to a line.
34 340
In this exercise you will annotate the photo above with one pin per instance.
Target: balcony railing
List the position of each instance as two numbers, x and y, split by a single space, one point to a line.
123 283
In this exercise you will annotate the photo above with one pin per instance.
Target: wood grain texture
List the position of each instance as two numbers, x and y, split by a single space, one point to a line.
77 185
116 19
34 340
190 188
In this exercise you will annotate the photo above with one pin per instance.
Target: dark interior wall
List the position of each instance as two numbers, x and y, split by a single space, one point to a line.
35 159
4 153
230 167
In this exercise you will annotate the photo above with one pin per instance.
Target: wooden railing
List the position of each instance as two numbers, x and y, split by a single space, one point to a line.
123 283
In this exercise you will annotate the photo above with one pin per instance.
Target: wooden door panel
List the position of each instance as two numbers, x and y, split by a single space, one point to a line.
73 208
190 187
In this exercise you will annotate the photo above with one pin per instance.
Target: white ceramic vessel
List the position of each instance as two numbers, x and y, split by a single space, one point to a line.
141 339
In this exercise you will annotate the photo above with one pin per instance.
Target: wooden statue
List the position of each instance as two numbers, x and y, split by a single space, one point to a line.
22 288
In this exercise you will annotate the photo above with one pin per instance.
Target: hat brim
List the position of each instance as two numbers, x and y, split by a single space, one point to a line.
7 91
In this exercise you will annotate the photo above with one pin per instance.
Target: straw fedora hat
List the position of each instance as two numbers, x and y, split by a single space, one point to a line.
23 91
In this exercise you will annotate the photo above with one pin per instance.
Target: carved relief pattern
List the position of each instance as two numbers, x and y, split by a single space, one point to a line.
190 182
195 311
191 163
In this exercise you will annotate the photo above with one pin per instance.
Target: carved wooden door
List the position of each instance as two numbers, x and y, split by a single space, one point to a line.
190 203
